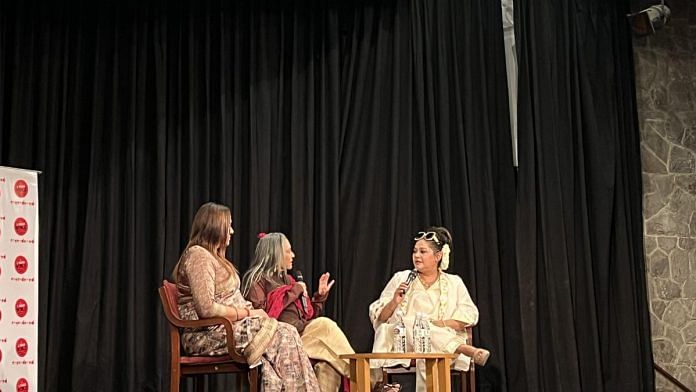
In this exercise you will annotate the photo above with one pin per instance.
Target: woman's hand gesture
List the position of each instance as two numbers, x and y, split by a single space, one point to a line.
324 284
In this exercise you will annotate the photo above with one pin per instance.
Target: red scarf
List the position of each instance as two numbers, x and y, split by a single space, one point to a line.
275 300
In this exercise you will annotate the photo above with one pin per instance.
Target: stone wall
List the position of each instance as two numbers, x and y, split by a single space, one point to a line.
665 66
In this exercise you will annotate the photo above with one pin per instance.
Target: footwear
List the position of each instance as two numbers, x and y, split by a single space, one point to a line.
481 356
382 387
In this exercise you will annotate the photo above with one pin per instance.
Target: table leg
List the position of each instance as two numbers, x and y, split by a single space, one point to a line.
431 375
360 375
353 375
443 373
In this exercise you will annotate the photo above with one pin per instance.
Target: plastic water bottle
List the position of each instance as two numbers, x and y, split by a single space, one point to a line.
418 334
426 334
399 334
421 334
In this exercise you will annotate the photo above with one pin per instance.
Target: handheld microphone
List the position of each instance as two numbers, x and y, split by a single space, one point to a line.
411 277
303 298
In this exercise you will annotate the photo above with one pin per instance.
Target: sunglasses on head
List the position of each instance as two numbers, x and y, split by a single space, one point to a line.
427 235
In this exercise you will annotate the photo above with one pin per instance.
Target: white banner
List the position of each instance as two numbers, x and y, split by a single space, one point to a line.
19 280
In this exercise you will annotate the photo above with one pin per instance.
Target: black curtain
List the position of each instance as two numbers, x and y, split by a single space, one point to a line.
346 125
582 282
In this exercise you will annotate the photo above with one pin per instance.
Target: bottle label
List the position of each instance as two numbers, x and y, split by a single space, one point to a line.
399 339
421 339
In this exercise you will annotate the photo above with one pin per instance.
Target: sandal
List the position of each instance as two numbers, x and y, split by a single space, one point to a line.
481 356
383 387
393 387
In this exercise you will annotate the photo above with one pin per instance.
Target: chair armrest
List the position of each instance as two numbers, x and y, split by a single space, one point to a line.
469 334
169 297
226 322
205 322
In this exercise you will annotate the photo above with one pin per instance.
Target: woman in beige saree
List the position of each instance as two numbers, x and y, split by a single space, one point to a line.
208 286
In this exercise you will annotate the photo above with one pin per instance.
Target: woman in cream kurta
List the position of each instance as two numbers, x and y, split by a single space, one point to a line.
443 298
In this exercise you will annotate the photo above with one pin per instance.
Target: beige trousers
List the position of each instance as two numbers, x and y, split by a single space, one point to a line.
324 341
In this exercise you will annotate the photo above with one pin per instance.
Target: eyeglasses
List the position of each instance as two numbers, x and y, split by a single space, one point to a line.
429 236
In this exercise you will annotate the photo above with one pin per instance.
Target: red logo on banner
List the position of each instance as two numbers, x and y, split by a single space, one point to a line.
22 347
21 307
21 188
21 226
21 264
22 385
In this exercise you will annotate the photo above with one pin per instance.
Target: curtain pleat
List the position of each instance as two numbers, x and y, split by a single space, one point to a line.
349 126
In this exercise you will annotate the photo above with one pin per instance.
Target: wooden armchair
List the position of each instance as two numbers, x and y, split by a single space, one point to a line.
467 379
198 366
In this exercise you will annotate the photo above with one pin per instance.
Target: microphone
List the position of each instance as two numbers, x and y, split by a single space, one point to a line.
411 277
303 298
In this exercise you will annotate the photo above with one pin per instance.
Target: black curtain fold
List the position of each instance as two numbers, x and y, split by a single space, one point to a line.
582 282
348 126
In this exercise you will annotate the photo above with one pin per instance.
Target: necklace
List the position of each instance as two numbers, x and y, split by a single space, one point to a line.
444 289
427 285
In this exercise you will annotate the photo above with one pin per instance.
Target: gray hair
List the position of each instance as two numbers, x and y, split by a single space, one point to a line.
268 261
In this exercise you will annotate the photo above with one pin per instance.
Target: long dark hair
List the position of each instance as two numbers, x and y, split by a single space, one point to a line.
209 230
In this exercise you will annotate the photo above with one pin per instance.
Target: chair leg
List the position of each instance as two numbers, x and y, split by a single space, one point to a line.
174 380
254 379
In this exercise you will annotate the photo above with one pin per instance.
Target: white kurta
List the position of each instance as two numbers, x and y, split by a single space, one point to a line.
446 299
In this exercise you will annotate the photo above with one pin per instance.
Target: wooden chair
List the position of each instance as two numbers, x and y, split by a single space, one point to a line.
467 379
198 366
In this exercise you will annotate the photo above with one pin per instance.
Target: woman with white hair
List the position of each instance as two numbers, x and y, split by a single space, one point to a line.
268 286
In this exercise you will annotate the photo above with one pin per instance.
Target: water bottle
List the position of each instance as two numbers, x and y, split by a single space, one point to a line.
419 334
426 334
399 334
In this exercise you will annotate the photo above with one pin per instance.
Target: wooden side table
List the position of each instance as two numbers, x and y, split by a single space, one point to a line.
437 369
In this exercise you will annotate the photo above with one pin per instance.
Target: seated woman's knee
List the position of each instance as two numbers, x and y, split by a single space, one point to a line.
325 323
